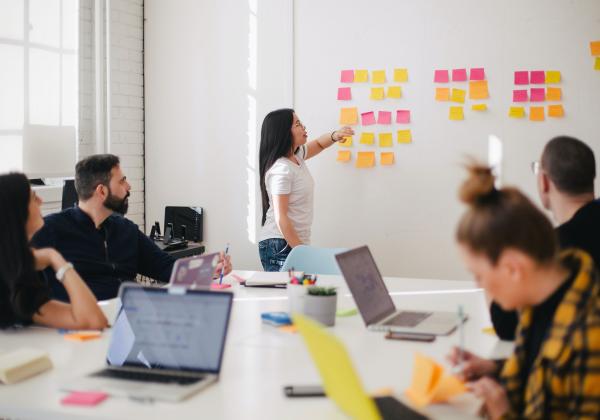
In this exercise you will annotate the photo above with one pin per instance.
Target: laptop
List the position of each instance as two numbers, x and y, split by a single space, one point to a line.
375 304
341 381
166 344
194 272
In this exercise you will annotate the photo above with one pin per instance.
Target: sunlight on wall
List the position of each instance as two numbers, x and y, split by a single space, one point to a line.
251 157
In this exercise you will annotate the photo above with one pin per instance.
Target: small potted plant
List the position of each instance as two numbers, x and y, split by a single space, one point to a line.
321 304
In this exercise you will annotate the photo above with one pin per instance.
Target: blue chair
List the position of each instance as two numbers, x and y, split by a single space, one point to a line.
313 260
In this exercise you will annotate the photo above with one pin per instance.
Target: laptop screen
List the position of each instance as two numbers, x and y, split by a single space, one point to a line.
174 330
365 283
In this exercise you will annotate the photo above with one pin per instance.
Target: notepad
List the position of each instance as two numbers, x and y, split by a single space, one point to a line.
400 75
23 363
387 158
516 112
367 138
478 89
442 94
377 93
456 113
344 156
268 279
386 140
394 92
88 398
378 76
536 113
349 116
365 160
83 335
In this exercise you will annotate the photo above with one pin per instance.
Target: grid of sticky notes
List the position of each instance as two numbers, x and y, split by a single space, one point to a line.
595 51
377 123
452 86
537 88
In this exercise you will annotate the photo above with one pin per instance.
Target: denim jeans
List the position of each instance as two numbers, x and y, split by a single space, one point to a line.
273 253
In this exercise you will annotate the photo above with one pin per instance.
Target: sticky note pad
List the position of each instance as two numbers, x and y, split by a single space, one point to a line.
378 76
597 64
88 398
478 89
368 118
595 47
377 93
347 76
361 76
83 335
537 94
479 107
367 138
477 73
403 116
442 94
384 117
349 116
400 75
459 75
365 160
440 76
536 113
458 95
537 77
556 111
520 95
344 156
521 78
394 92
345 142
516 112
553 94
552 76
404 136
386 140
387 158
456 113
344 94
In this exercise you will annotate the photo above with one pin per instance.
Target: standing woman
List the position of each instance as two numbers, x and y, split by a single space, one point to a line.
286 184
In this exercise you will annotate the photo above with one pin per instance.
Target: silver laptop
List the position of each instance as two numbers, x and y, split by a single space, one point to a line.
166 344
194 272
375 304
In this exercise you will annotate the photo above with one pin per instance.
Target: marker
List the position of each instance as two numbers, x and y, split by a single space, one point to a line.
223 268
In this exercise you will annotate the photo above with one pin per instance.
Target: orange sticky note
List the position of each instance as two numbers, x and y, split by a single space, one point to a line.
478 89
361 76
400 75
83 335
595 47
346 141
536 113
378 76
516 112
553 94
552 76
349 116
442 94
556 111
344 156
404 136
377 93
456 113
387 158
365 160
394 92
367 138
386 140
290 329
458 95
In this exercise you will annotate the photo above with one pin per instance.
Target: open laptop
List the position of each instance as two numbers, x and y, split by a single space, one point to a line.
340 380
194 272
166 344
375 304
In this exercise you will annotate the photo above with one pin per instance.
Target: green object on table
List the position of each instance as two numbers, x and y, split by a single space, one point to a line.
346 312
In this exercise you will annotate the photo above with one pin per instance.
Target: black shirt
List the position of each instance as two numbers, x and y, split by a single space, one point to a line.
105 257
29 298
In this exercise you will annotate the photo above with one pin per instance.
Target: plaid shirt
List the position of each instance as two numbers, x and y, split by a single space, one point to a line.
564 380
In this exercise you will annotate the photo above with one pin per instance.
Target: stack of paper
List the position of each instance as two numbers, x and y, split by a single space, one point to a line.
430 385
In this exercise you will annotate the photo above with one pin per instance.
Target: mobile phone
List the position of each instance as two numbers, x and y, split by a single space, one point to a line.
392 335
304 391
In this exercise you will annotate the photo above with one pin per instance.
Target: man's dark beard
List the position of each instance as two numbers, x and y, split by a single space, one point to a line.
116 204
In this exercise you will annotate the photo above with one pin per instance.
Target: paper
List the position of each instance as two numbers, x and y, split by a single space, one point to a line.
537 94
344 156
368 118
552 76
459 75
394 92
367 138
516 112
456 113
404 136
347 76
403 116
477 74
400 75
595 47
520 95
597 64
349 116
384 117
87 398
442 94
479 107
556 111
378 76
346 141
83 335
478 89
458 95
387 158
386 140
537 77
377 93
344 94
536 113
553 94
521 78
361 76
365 160
441 76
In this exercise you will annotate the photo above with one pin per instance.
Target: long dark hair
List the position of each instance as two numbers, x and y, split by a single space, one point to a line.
275 141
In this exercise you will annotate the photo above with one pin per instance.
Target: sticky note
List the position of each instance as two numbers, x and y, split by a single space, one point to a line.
477 73
479 107
387 158
361 76
345 142
378 76
478 89
458 95
521 78
344 94
456 113
595 47
403 116
516 112
384 117
537 94
377 93
459 75
367 138
404 136
347 76
82 335
365 160
552 76
368 118
537 77
344 156
556 111
386 140
553 94
87 398
441 76
442 94
597 64
536 113
349 116
400 75
520 95
394 92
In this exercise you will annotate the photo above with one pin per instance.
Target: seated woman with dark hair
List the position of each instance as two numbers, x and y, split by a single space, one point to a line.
24 294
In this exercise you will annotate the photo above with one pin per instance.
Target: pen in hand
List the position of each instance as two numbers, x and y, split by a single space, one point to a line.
223 266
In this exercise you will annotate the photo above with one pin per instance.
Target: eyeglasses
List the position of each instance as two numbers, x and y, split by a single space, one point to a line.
535 167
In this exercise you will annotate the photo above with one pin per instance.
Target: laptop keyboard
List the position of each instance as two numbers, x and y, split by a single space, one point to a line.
407 319
147 377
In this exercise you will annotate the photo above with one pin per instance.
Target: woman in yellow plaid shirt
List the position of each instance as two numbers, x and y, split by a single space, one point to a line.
511 248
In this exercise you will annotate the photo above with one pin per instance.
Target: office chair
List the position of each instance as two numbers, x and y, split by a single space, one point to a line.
69 195
313 260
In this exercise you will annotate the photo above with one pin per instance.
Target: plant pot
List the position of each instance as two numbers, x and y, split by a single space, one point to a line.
321 308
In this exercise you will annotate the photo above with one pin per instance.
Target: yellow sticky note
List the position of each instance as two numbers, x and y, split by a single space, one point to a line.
365 160
344 156
377 93
346 141
458 95
378 76
536 113
595 47
597 65
442 94
367 138
404 136
489 331
387 158
516 112
349 116
553 94
361 76
479 107
556 111
386 140
394 92
552 76
456 113
478 89
400 75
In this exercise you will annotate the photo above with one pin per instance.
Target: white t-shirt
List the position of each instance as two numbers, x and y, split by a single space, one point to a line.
287 177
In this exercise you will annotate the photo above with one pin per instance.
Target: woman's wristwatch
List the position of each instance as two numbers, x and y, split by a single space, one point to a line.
332 139
60 274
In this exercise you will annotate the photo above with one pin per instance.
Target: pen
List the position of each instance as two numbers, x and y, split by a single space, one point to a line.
223 267
461 332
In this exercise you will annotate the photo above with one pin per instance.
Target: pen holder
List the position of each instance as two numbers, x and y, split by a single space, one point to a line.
321 305
296 296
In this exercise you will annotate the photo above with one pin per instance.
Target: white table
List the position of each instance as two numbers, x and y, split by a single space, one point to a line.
259 360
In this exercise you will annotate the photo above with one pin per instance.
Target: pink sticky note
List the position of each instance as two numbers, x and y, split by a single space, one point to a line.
403 116
441 76
520 95
384 117
538 77
538 95
477 73
344 93
347 76
521 78
84 398
459 75
368 118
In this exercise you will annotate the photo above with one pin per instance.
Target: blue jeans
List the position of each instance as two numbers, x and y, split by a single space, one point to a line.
273 253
